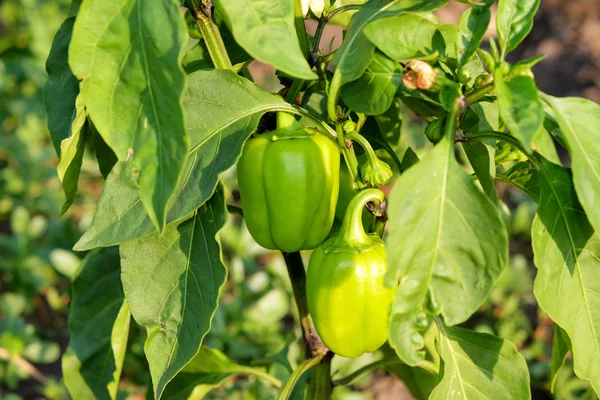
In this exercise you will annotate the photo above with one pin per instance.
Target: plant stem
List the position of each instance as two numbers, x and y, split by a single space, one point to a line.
381 363
320 378
349 156
300 28
293 379
297 274
502 137
235 210
339 10
314 53
264 375
210 33
320 386
334 88
479 93
293 91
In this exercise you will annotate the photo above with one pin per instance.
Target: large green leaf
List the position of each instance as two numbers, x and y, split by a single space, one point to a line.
62 87
374 91
396 37
579 121
172 283
71 154
208 370
567 255
520 107
127 54
265 29
99 325
471 29
513 22
354 55
480 366
221 110
459 251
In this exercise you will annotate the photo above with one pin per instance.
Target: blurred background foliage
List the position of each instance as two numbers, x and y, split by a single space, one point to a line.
255 323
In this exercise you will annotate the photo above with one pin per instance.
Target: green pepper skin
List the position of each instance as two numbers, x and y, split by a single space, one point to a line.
289 183
346 296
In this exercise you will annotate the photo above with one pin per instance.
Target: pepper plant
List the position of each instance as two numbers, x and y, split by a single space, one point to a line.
162 92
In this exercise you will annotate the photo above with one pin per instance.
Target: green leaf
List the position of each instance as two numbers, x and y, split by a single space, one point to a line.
71 154
206 371
62 87
579 121
395 36
265 29
471 29
481 117
520 107
481 157
525 177
197 58
513 22
545 146
444 42
551 125
480 366
409 159
127 53
104 155
99 325
461 248
172 282
217 131
567 255
374 91
419 381
560 348
354 55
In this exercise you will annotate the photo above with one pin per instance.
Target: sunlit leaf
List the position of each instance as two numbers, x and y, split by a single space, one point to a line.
567 256
127 54
172 283
461 248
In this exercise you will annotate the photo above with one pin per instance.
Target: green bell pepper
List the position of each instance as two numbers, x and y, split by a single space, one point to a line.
289 182
346 296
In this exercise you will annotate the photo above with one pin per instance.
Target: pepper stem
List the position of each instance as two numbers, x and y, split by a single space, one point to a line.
364 143
352 231
287 122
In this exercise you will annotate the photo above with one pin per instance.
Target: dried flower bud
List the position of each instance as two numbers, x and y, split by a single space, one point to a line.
409 79
425 75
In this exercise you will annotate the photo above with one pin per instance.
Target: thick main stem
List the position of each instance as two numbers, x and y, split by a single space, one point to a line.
321 386
297 274
211 34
